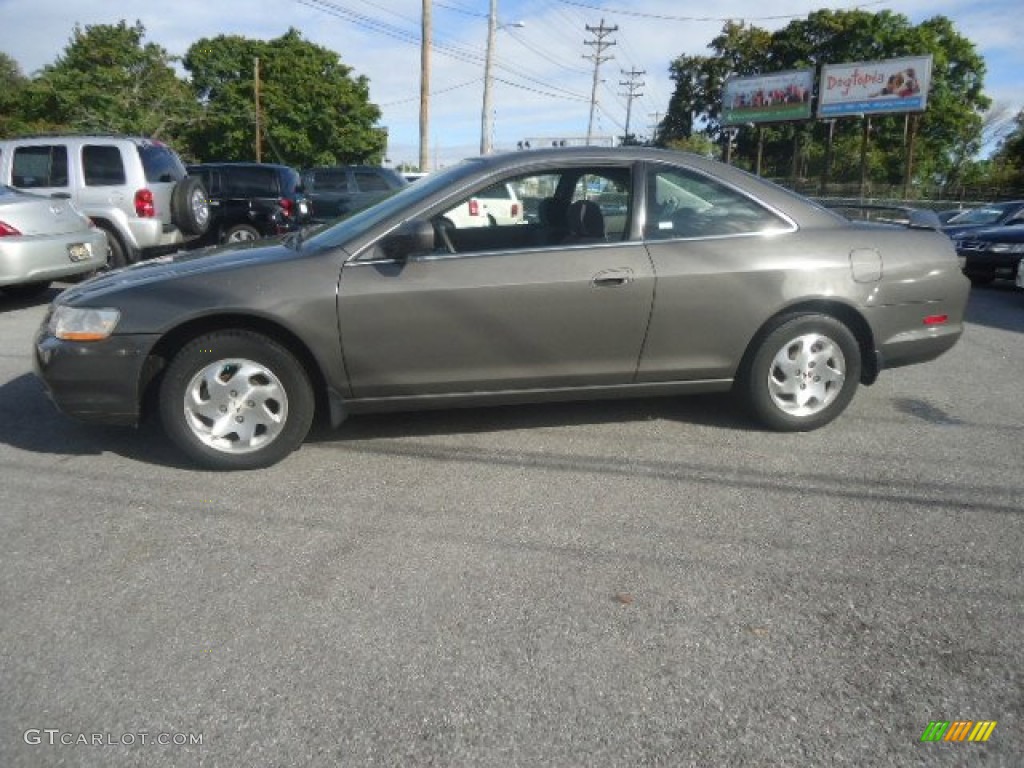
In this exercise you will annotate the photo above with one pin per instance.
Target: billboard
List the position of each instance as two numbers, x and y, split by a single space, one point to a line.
767 98
870 87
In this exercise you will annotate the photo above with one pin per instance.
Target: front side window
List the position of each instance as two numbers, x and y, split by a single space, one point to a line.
39 167
685 204
102 165
569 206
329 179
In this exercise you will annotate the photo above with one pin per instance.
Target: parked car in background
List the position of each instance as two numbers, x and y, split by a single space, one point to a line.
988 215
135 189
497 205
716 280
949 213
43 239
991 252
252 200
412 176
339 190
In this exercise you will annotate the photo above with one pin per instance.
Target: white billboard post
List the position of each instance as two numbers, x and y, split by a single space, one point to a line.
868 88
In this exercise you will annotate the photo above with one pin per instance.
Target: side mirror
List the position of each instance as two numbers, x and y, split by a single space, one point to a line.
411 237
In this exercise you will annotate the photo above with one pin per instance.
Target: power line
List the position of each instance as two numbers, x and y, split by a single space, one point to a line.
703 18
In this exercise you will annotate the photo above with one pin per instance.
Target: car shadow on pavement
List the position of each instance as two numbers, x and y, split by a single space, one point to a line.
30 422
12 303
999 305
721 411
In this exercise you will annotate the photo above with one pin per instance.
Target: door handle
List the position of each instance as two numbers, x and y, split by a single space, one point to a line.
612 277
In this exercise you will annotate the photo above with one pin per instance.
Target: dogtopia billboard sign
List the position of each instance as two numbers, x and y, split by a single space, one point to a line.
872 87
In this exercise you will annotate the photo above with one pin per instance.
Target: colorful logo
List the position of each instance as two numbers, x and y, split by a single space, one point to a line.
958 730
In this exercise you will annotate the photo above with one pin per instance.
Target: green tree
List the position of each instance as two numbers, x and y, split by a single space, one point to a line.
109 81
312 110
12 87
1008 161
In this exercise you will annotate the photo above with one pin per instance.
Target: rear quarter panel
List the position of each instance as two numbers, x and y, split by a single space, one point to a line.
713 296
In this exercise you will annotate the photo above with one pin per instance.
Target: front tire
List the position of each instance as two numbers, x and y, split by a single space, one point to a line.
236 400
803 374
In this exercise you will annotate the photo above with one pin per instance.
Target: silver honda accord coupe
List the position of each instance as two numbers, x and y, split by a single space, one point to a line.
631 272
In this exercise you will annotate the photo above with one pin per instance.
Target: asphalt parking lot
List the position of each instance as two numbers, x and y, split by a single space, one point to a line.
653 583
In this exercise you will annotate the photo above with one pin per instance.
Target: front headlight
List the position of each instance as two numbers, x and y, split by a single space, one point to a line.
1006 248
82 323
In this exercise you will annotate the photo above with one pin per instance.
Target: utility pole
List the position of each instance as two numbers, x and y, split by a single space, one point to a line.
486 126
633 87
256 95
657 124
425 44
598 58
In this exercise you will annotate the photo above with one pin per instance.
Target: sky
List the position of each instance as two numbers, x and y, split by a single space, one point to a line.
542 76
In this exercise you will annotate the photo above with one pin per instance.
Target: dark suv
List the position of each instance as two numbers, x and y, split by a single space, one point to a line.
338 190
252 200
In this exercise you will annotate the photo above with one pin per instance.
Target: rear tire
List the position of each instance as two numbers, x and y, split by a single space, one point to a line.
190 207
117 257
241 233
236 400
803 374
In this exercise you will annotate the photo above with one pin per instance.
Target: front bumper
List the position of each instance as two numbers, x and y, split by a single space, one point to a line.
987 262
97 381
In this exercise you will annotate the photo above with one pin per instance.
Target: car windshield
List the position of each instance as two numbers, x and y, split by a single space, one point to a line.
335 233
986 215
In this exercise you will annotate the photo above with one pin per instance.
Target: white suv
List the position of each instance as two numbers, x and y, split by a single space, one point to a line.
135 189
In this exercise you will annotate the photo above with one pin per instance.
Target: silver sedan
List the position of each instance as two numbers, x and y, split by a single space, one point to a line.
43 239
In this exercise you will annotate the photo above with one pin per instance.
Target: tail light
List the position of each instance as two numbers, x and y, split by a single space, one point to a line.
515 210
287 206
474 207
144 206
6 230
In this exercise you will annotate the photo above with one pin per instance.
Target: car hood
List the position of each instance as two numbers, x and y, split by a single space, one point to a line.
211 260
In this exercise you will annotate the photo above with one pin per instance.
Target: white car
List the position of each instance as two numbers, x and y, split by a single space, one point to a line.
495 206
43 239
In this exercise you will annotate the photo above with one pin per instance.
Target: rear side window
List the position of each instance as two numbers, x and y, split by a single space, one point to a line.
160 163
102 165
370 182
681 203
291 181
40 166
249 182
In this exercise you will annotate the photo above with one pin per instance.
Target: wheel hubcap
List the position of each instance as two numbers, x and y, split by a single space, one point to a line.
235 406
200 208
241 235
806 375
